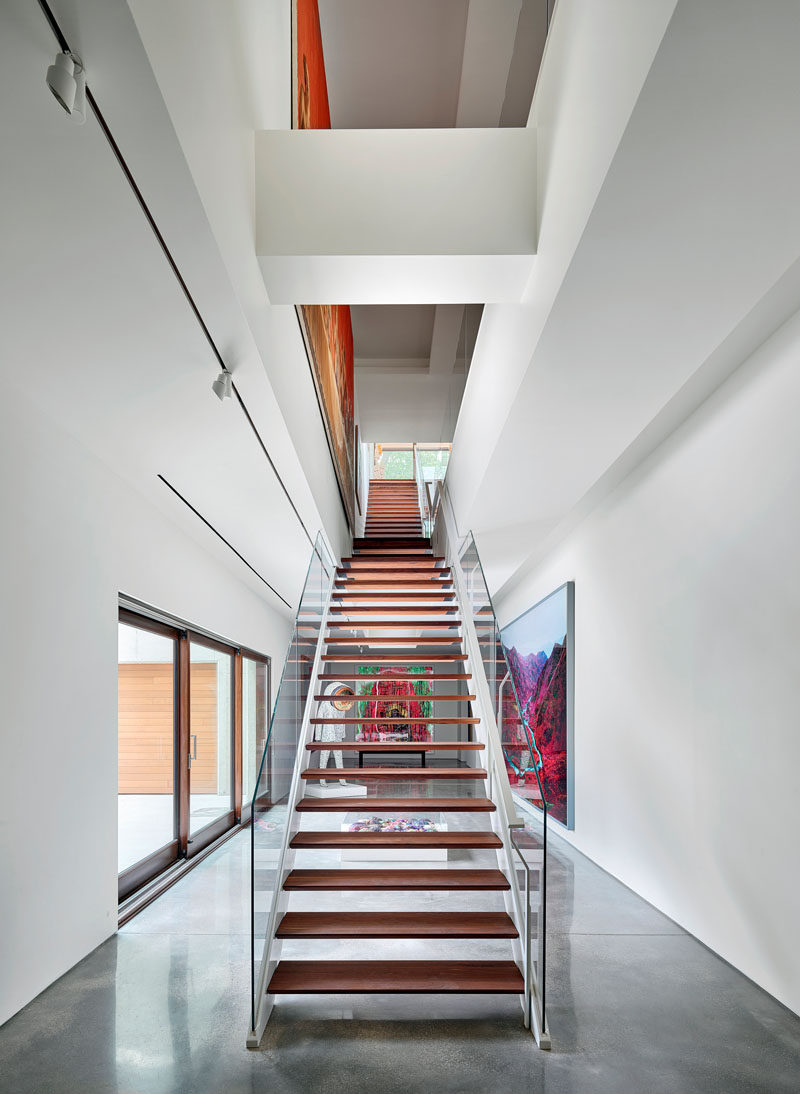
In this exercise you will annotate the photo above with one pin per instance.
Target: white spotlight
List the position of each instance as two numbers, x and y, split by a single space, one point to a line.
78 114
222 385
61 79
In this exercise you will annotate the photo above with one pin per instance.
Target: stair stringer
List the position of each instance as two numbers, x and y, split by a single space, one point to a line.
286 858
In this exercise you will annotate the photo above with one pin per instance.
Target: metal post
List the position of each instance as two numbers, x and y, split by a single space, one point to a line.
528 966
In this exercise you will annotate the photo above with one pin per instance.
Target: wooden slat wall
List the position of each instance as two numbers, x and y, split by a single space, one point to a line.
203 722
146 728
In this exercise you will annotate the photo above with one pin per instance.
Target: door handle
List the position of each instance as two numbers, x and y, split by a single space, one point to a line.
193 749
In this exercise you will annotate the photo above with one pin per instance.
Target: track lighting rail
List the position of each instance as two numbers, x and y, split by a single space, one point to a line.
65 48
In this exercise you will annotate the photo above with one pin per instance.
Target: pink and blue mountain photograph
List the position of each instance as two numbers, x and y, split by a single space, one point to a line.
537 646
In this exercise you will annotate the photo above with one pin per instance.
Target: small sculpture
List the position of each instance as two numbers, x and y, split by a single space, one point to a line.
338 700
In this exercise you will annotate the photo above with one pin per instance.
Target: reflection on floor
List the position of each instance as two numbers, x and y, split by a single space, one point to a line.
146 821
635 1004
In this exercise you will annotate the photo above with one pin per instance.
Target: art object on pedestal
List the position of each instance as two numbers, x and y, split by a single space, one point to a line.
539 649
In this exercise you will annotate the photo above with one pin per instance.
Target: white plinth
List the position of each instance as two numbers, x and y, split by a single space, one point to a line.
335 790
395 854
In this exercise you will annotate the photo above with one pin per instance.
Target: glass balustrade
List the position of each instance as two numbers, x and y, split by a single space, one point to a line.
274 779
520 753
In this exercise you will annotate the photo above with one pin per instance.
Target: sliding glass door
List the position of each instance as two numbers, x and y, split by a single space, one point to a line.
192 725
255 714
147 730
211 750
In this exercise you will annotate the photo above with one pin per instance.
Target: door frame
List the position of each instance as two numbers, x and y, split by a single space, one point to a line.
184 846
137 875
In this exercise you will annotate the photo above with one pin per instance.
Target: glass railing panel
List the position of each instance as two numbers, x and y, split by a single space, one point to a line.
269 806
520 752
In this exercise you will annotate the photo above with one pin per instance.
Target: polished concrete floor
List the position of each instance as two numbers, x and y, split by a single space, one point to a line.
635 1005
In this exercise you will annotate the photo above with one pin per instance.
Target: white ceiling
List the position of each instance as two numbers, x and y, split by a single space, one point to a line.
386 331
393 65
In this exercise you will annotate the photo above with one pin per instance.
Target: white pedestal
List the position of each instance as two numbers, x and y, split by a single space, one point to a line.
334 789
395 854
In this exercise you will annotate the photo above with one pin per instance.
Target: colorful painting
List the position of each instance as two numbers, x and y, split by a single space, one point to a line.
384 697
310 86
328 337
539 651
327 330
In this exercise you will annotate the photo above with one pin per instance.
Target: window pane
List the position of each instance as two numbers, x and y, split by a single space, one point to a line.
210 712
146 729
254 723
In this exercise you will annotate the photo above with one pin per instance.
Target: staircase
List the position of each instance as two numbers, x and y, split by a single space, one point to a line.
393 509
393 616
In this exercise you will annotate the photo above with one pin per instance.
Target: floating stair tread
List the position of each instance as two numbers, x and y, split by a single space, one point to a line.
399 675
384 596
398 772
396 977
396 881
395 805
396 925
432 698
348 583
365 840
391 639
391 658
407 624
395 721
441 607
397 746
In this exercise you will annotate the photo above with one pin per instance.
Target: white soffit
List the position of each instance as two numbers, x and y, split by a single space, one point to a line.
395 216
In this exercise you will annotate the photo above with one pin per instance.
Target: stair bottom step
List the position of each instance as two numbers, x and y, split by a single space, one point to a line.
396 925
396 977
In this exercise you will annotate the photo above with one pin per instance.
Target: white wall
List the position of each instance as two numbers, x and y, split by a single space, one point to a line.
74 536
687 702
214 122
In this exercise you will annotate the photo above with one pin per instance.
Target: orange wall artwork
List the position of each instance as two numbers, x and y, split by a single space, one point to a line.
327 330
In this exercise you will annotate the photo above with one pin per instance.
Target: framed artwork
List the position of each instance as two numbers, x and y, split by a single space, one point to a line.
328 337
326 328
539 649
382 695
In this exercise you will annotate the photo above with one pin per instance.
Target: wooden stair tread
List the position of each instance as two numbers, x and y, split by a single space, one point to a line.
395 805
395 609
407 624
398 772
392 658
396 977
408 553
397 746
399 675
365 840
396 881
396 925
400 698
385 721
384 596
394 639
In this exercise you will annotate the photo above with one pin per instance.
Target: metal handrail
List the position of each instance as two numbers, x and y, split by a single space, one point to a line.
422 494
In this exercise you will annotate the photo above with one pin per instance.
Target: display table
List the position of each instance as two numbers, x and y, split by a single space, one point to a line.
431 822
